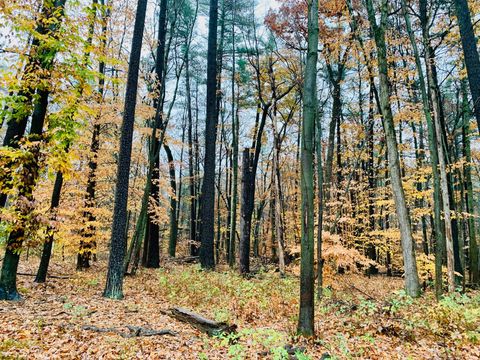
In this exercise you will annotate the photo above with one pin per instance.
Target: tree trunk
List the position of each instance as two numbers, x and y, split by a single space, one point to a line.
114 283
47 246
151 257
318 147
432 140
371 249
470 53
408 246
307 279
246 211
235 134
207 197
172 243
191 162
89 243
468 186
336 111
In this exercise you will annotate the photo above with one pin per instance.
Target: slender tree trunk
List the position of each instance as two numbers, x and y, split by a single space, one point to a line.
235 133
246 211
88 243
191 162
47 246
432 140
371 248
468 187
277 189
151 258
318 148
172 243
408 245
114 283
336 111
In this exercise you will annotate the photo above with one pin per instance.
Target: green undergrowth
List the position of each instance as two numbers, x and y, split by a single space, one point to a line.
227 296
349 323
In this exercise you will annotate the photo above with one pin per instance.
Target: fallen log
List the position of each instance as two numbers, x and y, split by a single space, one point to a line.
134 331
185 259
208 326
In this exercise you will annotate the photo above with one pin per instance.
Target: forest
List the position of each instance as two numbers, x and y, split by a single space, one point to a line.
239 179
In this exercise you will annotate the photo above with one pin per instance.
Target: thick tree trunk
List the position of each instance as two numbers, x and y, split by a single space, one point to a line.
307 275
207 196
114 284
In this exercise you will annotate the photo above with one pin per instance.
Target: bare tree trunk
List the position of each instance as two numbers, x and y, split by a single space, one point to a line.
408 245
246 211
307 278
114 284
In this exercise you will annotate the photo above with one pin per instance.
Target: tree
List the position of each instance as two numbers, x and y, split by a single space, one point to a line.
432 141
235 133
38 66
470 52
207 196
306 317
151 243
30 163
467 152
114 283
412 286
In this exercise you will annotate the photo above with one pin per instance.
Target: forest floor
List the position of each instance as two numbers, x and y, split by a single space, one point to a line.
359 317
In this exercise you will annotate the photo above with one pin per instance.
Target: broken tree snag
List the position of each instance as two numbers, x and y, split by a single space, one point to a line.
211 327
134 331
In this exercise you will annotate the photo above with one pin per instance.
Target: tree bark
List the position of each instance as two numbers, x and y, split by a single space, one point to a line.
307 279
207 196
470 53
114 283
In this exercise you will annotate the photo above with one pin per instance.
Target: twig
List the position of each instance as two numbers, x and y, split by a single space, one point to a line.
363 292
